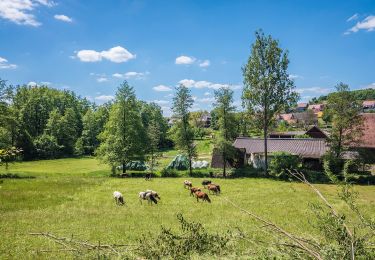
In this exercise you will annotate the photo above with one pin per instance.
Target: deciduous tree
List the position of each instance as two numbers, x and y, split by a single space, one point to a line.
182 131
268 88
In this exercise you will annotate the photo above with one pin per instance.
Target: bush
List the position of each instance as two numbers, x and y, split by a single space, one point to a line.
282 162
166 172
47 147
193 239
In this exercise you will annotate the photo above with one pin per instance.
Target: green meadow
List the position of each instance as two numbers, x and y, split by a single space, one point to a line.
73 197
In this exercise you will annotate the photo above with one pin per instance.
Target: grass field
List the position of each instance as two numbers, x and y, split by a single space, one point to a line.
74 196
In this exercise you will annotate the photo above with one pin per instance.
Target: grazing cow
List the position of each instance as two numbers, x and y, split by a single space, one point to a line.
150 198
148 176
203 196
193 190
119 199
147 196
213 188
154 193
187 184
205 183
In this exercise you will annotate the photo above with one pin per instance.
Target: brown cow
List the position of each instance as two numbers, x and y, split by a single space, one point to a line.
203 196
193 190
213 188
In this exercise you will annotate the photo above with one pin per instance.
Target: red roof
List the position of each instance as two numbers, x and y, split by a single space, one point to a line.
368 103
368 137
316 107
286 117
302 105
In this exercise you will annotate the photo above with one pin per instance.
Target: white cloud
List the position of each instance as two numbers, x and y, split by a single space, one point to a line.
63 18
353 17
4 64
318 90
20 11
32 84
89 56
185 60
116 54
204 63
372 85
295 76
45 83
206 84
101 79
207 93
161 102
130 74
104 98
205 100
162 88
367 24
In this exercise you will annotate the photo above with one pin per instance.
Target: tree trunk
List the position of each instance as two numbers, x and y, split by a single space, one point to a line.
190 169
224 165
123 167
265 131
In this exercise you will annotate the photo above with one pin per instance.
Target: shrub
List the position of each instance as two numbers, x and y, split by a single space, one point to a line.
47 147
282 162
192 239
166 172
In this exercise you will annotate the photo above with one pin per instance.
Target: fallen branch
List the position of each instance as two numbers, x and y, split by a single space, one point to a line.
299 243
73 245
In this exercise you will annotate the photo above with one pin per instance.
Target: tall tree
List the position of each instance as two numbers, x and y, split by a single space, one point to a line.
183 133
344 110
227 124
268 88
123 138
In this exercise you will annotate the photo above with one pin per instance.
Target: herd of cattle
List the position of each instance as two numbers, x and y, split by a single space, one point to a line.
153 197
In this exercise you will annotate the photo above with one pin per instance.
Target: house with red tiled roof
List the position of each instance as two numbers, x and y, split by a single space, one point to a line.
368 138
316 108
289 118
368 105
301 107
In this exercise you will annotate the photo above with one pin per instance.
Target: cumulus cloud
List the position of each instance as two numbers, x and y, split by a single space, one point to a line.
101 79
207 93
162 88
367 24
372 85
185 60
205 100
130 75
104 98
295 76
161 102
188 60
353 17
32 84
63 18
20 11
318 90
204 63
116 54
4 64
206 84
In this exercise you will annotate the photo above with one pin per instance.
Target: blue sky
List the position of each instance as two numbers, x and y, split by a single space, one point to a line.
91 46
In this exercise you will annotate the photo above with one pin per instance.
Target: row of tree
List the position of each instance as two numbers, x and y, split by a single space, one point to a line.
49 123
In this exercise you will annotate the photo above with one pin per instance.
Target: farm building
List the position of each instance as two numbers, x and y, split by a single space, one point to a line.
309 149
301 107
366 144
368 105
313 132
